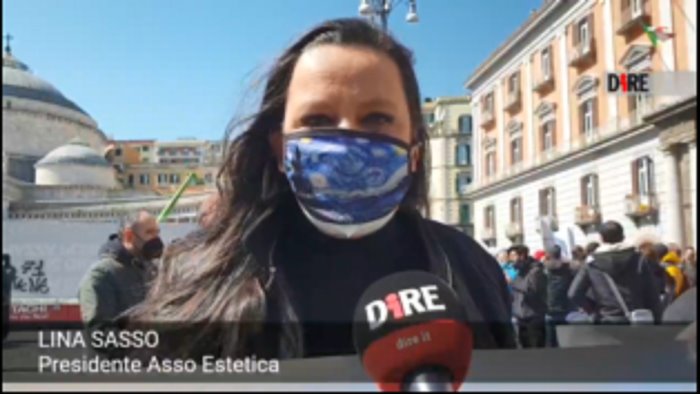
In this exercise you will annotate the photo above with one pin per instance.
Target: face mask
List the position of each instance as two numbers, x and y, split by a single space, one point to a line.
349 184
152 249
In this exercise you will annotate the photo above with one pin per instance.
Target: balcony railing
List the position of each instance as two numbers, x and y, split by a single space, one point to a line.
641 205
545 82
583 53
487 117
633 18
588 215
514 230
513 100
489 234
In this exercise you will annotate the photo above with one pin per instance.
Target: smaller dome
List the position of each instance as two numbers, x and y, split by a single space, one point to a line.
75 152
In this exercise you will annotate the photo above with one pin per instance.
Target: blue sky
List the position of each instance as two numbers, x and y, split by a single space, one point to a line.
167 69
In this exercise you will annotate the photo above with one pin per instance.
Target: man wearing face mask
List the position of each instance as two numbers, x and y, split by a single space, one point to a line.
118 281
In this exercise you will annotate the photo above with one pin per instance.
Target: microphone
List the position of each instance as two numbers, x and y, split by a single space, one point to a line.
411 334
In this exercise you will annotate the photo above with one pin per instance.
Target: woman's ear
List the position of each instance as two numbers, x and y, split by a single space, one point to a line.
275 140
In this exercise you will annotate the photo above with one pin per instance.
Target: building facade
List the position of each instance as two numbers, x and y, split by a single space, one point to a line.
161 166
554 149
449 124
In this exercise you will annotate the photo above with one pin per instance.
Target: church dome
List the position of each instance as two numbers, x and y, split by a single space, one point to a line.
75 152
19 82
37 118
75 164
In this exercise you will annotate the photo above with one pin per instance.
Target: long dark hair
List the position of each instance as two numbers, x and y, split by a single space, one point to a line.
221 284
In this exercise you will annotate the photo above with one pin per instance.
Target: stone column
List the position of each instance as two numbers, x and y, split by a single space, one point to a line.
672 206
693 189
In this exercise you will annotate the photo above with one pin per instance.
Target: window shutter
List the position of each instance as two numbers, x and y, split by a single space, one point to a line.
582 186
577 33
635 177
652 176
554 133
596 190
543 203
595 113
591 25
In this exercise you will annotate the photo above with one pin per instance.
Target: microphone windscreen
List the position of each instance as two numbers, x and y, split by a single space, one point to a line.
408 321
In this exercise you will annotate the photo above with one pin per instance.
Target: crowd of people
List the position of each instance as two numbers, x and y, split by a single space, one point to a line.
613 282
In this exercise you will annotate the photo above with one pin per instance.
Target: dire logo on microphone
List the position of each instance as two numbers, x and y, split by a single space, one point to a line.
402 304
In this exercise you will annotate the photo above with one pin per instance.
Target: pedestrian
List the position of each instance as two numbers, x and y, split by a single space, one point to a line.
322 194
118 281
529 299
591 247
578 258
690 266
559 278
620 279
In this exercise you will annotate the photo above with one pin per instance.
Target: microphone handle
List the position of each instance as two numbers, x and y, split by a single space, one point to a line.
428 380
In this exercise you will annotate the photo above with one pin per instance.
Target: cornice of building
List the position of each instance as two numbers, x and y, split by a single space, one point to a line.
534 20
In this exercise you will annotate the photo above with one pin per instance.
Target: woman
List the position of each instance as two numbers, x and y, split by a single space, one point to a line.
319 198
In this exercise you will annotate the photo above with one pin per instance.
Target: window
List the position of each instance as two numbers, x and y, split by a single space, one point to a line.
587 117
144 148
162 179
516 210
513 83
490 217
638 104
464 214
637 8
131 179
145 179
118 152
462 155
548 136
144 160
491 164
583 33
546 63
429 118
548 202
462 181
516 150
589 190
643 176
465 124
174 179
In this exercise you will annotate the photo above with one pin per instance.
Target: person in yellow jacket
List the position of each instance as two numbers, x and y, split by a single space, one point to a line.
672 263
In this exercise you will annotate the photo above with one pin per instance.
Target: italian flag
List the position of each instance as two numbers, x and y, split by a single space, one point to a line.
658 34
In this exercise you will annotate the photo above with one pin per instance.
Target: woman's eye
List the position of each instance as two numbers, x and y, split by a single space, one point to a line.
378 119
317 121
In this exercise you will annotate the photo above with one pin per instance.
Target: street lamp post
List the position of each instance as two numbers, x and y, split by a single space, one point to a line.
380 9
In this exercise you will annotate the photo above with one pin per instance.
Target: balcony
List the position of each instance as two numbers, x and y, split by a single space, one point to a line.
633 18
514 230
550 221
544 83
639 206
588 216
489 234
583 54
513 100
487 118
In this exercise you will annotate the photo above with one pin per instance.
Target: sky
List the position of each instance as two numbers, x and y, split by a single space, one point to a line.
169 69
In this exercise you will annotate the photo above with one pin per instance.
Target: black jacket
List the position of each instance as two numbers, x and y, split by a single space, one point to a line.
530 292
453 256
559 278
632 276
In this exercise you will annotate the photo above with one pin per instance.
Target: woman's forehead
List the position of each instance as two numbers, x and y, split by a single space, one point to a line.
355 70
